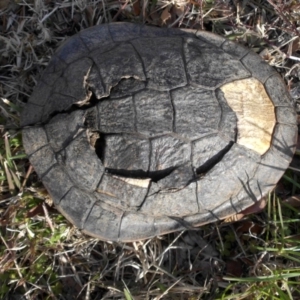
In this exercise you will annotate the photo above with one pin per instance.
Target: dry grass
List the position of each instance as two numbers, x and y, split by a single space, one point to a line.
43 257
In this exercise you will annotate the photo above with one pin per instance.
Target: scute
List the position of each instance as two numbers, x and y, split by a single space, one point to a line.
231 48
163 62
63 128
31 142
57 174
193 118
255 113
73 49
103 220
74 87
135 152
168 151
257 67
117 63
123 193
43 160
278 95
42 92
77 205
284 139
206 71
154 112
136 225
129 31
31 114
237 167
155 203
138 131
207 151
285 115
81 163
116 116
53 72
95 37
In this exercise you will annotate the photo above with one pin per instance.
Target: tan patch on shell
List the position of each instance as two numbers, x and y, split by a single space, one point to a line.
255 113
105 193
144 183
92 136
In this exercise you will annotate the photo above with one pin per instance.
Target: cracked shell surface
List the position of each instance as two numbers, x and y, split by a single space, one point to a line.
138 131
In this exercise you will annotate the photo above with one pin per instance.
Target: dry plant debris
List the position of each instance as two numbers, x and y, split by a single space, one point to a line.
43 257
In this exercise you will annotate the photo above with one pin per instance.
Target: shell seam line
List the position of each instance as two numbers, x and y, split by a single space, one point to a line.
227 52
42 106
120 225
65 194
99 74
67 143
134 113
150 151
88 215
59 58
141 60
29 155
213 214
174 112
83 42
48 170
184 224
101 178
57 112
216 91
184 60
146 195
196 188
251 75
115 46
246 187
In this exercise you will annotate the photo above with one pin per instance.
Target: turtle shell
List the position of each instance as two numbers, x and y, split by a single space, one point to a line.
138 131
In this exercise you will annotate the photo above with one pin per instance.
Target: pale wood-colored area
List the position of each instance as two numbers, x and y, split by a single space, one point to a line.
255 113
144 183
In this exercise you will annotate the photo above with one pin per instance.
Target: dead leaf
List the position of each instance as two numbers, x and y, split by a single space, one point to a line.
295 45
72 288
37 210
249 226
179 10
136 8
234 268
165 16
294 201
255 208
4 4
153 17
89 15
